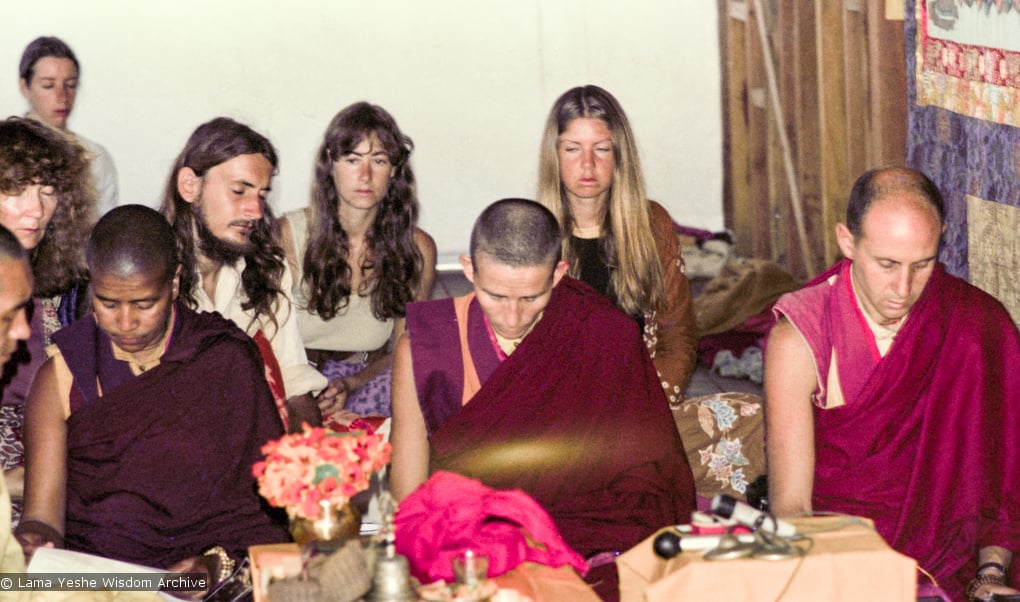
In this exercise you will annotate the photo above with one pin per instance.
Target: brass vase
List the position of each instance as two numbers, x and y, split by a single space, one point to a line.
328 531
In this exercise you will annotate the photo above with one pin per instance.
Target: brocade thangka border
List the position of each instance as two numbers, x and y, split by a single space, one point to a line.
977 81
993 232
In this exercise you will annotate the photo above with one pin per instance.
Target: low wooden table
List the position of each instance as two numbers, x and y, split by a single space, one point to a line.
847 560
535 581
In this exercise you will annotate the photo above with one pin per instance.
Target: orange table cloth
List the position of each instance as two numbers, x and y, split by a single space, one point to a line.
847 561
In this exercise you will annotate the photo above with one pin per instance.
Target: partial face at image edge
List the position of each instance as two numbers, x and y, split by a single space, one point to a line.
15 296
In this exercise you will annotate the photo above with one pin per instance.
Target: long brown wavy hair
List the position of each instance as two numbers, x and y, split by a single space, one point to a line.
393 263
31 153
215 142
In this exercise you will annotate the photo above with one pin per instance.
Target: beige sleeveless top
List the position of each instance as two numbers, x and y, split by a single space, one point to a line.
354 328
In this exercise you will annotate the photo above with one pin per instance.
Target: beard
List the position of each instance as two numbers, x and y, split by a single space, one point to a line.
214 248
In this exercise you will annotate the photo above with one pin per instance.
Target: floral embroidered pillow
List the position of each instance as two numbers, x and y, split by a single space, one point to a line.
724 437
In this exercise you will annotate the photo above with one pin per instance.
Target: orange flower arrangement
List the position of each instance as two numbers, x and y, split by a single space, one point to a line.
303 469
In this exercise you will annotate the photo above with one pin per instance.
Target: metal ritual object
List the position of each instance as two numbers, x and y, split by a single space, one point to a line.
391 579
730 548
771 547
765 546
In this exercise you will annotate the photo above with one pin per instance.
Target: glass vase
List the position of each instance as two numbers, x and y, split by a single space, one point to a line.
330 530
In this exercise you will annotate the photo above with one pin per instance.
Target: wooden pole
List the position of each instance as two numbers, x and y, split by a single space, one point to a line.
784 141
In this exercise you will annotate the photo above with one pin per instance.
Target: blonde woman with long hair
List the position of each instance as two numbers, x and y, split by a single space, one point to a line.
615 238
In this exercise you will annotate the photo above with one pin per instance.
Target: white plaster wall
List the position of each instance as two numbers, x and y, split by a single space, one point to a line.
470 81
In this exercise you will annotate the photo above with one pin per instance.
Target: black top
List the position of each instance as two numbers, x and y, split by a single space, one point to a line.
593 269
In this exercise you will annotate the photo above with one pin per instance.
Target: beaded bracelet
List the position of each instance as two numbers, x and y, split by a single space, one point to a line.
980 580
226 563
992 565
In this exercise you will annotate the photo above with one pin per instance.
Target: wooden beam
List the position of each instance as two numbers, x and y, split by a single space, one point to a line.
888 85
757 132
728 152
779 124
807 133
856 89
832 120
738 207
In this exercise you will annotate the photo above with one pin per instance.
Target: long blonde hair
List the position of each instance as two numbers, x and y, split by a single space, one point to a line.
635 279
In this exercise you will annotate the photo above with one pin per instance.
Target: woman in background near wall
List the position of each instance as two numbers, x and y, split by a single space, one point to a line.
358 257
45 201
616 240
49 75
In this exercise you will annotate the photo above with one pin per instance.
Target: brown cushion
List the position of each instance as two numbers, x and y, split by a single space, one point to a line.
724 437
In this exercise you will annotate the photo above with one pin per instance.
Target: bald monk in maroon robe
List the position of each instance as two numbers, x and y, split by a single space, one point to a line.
536 382
893 392
143 426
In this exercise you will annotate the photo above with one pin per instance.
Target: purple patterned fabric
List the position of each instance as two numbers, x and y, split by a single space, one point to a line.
372 398
962 155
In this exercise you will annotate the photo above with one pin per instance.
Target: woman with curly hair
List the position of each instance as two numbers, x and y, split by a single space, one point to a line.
357 256
615 239
46 201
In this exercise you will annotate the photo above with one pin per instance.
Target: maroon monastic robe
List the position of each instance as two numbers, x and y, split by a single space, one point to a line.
575 417
159 466
928 442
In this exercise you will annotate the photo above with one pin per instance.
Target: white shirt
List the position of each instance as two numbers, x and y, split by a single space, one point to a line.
299 377
104 175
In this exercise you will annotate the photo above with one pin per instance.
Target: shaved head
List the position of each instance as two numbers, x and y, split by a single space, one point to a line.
517 232
133 240
890 181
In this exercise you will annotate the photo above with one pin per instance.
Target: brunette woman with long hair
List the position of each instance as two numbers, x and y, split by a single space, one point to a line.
357 255
615 239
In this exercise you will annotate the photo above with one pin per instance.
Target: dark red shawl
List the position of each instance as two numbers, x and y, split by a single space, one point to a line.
576 417
159 467
928 443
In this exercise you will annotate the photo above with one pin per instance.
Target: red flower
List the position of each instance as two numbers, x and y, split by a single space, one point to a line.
300 469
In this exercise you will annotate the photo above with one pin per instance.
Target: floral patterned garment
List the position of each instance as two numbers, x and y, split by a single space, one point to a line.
723 435
12 415
371 399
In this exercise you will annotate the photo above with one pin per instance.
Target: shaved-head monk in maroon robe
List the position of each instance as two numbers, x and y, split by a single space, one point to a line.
142 427
893 392
537 382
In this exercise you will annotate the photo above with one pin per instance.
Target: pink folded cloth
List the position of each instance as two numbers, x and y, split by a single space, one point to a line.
449 514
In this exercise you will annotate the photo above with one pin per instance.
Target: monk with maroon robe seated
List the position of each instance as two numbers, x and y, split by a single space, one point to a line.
893 392
536 382
142 427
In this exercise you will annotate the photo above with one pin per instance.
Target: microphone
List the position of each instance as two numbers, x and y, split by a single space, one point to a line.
729 507
670 543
